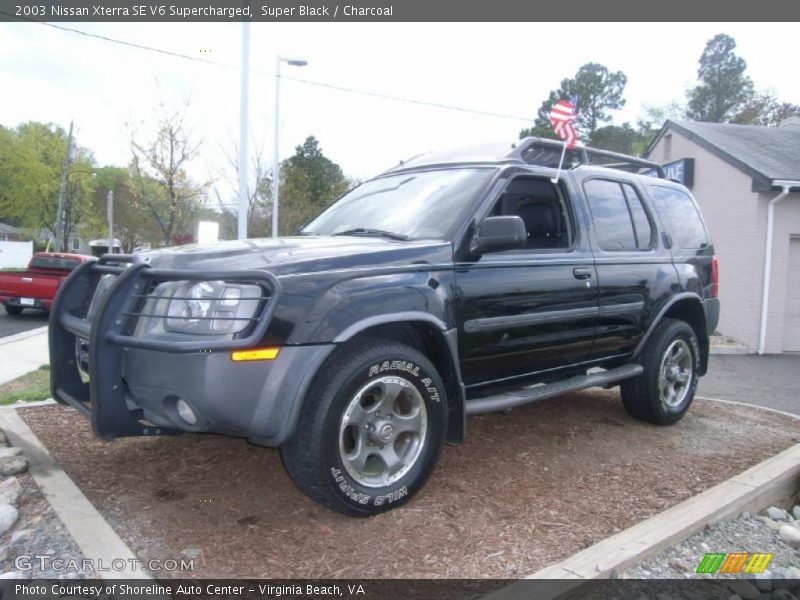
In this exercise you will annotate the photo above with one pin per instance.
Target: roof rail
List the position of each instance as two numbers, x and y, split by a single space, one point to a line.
547 153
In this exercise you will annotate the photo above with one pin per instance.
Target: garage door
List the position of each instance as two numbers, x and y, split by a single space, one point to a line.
791 334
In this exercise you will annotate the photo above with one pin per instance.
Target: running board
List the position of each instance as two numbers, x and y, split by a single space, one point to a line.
523 396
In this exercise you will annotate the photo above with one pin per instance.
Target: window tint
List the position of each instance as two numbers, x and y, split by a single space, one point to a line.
679 216
53 262
612 220
641 224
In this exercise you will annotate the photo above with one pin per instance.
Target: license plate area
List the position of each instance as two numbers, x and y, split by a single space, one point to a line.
27 301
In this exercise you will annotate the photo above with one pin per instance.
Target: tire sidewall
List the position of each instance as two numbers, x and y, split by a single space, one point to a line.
13 311
684 332
424 378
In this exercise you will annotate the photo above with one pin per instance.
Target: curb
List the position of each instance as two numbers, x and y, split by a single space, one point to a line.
770 482
23 335
748 405
34 404
729 350
91 532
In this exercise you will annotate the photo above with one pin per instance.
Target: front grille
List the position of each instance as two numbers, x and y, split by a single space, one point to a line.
82 355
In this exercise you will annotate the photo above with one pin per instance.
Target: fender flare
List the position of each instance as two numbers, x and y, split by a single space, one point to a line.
702 337
457 415
400 317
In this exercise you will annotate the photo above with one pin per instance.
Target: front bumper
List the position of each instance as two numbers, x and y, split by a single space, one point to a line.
135 382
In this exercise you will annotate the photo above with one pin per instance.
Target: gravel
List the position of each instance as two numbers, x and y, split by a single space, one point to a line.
29 527
12 465
774 531
777 514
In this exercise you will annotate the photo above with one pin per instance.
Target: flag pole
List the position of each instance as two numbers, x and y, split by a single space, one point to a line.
560 162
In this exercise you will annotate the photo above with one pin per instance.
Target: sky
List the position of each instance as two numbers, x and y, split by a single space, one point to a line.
112 90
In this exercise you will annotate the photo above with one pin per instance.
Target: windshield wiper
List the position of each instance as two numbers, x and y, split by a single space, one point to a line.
376 232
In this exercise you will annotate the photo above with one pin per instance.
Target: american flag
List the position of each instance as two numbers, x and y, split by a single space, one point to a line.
561 117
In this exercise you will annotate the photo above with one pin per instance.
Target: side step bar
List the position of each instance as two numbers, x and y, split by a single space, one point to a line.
506 400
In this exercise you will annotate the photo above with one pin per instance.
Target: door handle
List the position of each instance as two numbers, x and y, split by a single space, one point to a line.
582 273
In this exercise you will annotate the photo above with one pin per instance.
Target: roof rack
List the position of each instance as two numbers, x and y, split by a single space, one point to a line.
547 153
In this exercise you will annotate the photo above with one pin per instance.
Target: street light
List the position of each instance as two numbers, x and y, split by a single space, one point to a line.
294 62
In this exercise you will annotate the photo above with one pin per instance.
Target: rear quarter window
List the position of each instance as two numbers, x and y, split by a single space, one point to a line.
679 216
53 262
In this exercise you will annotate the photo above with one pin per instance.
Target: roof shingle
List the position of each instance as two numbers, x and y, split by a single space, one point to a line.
765 153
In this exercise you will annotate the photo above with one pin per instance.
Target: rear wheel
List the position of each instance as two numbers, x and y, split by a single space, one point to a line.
13 310
370 430
664 391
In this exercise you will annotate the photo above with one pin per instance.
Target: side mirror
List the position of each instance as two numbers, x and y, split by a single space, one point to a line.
501 233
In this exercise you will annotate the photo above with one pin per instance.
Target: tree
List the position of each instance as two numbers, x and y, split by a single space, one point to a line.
133 225
309 183
765 109
164 159
724 89
31 164
653 120
624 139
259 198
599 91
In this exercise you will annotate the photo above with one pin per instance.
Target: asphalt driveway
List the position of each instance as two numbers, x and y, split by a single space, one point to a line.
771 381
29 319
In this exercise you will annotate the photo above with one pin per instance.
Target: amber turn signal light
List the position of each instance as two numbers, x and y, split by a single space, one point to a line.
270 353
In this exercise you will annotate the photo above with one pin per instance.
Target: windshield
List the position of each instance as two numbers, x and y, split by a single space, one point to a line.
406 205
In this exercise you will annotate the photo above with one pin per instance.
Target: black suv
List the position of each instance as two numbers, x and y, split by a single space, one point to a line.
456 283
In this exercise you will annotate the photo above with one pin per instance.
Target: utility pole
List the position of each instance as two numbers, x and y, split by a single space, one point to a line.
62 194
110 211
276 162
244 200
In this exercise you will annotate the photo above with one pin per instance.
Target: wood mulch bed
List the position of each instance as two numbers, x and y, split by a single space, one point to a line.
528 488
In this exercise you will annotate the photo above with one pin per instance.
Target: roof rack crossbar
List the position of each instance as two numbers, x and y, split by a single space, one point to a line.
585 154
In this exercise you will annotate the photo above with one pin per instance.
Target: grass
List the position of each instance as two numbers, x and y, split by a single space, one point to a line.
30 387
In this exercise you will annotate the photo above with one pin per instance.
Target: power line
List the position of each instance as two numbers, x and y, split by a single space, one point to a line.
322 84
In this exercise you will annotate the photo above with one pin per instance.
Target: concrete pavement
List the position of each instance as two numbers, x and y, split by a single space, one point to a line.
770 381
22 353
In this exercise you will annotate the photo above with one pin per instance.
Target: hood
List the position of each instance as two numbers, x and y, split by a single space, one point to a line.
306 254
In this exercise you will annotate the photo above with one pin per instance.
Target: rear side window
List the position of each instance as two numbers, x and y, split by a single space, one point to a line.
641 223
53 262
620 221
680 217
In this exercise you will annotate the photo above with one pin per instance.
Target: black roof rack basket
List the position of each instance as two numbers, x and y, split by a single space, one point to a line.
547 153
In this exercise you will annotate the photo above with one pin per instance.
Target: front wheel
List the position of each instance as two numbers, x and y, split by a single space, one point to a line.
664 391
370 430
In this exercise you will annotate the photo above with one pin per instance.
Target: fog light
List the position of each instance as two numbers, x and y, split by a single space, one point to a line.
186 412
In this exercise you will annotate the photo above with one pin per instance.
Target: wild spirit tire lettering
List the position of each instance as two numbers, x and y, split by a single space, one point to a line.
348 489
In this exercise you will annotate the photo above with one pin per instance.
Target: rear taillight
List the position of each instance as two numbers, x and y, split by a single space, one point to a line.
714 277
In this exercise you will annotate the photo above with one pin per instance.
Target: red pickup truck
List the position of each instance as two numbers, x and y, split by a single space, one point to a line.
36 286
